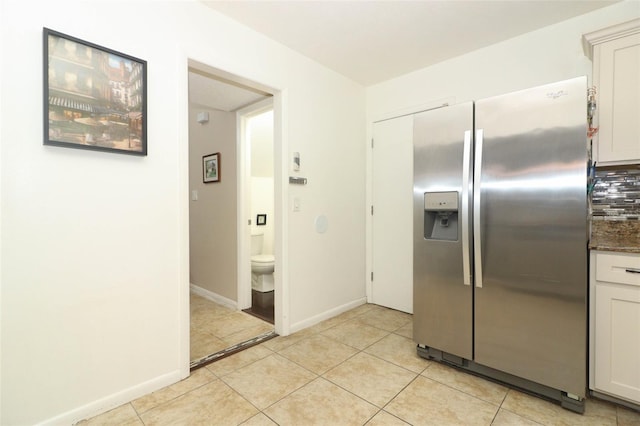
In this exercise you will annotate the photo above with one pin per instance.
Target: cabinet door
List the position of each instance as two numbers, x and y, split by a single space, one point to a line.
617 75
617 340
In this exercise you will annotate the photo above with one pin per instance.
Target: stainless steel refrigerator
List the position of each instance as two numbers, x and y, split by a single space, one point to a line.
500 238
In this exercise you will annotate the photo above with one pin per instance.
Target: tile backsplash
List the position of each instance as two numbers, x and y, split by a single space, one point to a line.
616 194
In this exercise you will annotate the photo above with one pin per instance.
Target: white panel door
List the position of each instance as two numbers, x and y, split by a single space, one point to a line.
392 221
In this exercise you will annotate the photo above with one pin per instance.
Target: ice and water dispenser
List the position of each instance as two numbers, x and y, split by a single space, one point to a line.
441 215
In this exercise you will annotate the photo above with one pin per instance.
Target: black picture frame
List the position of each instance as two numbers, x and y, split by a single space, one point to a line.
94 98
211 168
261 219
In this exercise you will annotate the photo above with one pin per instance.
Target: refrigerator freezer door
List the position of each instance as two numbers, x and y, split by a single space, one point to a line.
530 313
442 303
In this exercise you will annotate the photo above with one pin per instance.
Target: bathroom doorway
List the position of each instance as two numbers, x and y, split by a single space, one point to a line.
256 137
219 244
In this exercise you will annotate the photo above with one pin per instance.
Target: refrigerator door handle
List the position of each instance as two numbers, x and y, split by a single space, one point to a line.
477 243
466 163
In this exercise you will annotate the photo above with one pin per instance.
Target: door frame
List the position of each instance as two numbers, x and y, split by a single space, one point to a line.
280 146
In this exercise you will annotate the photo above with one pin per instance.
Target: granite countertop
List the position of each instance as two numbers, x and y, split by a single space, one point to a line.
615 235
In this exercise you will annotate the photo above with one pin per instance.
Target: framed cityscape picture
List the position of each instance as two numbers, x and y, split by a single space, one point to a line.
211 168
94 98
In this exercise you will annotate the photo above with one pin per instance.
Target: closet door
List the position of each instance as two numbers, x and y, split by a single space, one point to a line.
392 220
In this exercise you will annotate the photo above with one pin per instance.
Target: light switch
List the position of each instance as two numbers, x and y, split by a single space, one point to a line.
194 195
296 204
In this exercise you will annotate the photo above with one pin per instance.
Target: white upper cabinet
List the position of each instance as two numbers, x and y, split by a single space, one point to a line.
615 52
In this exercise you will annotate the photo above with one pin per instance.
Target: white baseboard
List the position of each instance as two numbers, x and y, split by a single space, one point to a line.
214 297
327 314
110 402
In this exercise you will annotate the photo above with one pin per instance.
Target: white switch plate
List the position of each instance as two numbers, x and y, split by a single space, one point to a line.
296 204
194 195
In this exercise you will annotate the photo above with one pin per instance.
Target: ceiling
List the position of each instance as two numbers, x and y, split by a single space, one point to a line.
373 41
209 90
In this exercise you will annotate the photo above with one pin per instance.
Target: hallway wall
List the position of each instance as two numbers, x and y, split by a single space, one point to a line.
213 240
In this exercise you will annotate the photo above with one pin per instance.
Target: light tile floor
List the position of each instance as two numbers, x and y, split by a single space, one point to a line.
358 368
215 327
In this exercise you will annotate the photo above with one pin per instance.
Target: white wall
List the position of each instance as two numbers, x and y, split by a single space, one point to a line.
262 182
261 137
94 262
262 197
325 266
550 54
213 224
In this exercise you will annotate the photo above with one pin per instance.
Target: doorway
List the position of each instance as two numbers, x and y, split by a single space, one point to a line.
219 238
256 139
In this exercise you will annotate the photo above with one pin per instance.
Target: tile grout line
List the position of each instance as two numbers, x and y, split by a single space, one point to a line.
396 395
347 390
522 415
322 376
358 351
463 391
139 414
288 394
391 362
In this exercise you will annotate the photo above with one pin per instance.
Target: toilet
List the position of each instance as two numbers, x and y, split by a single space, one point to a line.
261 266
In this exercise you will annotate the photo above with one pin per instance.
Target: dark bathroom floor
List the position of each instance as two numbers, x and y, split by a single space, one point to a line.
261 305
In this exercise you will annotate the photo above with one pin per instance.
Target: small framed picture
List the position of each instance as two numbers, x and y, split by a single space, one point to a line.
94 98
211 168
261 220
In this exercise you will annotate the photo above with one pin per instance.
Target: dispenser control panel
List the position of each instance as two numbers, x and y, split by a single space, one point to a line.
441 201
441 215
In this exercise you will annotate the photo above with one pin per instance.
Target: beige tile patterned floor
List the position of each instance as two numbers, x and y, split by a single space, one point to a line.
355 369
215 327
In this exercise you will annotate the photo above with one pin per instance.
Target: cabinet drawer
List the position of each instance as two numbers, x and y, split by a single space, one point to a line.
618 268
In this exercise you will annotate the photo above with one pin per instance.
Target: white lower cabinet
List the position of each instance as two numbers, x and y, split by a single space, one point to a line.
615 325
